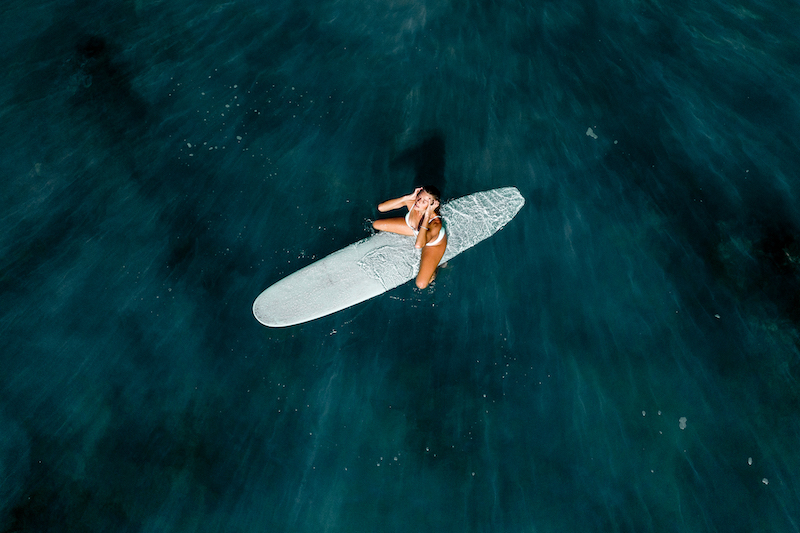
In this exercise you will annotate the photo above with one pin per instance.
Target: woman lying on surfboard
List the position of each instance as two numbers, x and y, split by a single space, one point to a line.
423 221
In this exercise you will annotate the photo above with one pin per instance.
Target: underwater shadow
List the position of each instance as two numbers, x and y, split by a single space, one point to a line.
427 158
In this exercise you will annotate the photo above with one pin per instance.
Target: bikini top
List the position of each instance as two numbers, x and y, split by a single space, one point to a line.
438 238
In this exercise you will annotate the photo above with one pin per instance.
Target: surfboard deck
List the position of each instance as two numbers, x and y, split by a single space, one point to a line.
380 262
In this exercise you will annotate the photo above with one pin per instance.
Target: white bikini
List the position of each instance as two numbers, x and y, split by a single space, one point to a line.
438 238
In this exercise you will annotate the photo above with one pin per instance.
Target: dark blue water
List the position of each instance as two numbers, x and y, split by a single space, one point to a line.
624 356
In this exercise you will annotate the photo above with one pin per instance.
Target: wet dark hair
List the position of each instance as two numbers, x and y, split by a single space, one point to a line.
433 191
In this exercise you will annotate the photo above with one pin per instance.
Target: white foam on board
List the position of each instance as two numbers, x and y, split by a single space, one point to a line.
467 221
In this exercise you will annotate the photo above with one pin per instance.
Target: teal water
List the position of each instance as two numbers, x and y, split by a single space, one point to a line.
623 356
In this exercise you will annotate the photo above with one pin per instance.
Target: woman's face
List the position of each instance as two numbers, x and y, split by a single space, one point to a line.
424 199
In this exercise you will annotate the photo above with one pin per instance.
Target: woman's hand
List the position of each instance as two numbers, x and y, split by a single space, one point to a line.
407 201
431 210
413 196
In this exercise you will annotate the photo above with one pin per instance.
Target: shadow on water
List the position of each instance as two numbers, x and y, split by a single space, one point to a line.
110 117
426 158
751 257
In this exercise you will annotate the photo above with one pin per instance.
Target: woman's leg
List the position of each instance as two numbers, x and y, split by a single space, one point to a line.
393 225
431 255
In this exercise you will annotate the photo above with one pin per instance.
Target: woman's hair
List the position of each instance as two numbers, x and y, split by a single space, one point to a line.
433 191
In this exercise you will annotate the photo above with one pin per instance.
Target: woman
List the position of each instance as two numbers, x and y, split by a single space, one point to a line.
423 221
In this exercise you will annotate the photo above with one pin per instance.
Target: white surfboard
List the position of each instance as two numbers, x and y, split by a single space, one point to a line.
381 262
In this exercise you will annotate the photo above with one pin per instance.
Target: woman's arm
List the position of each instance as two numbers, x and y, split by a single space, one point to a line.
429 229
397 203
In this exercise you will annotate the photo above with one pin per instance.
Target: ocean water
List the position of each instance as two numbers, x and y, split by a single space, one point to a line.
623 356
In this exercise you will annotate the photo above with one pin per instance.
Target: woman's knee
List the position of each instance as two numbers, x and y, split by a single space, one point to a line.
385 224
